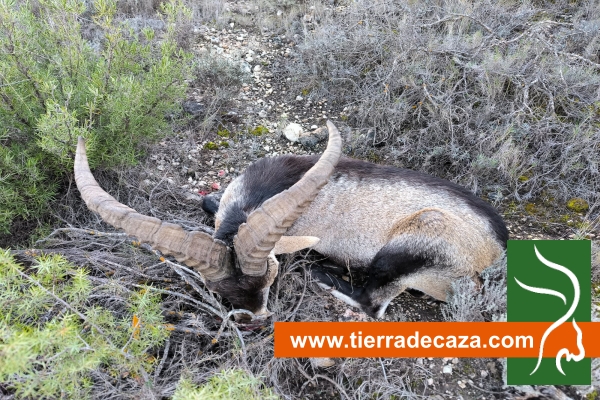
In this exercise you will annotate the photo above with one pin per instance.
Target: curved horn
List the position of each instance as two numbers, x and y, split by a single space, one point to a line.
198 250
263 228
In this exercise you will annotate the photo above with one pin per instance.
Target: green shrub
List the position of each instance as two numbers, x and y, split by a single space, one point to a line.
259 130
56 86
233 384
52 336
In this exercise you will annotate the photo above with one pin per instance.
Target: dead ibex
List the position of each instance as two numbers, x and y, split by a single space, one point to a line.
406 229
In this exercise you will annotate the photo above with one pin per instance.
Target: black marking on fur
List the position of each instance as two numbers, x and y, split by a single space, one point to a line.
330 279
242 291
210 203
231 222
390 263
415 293
388 266
270 176
262 180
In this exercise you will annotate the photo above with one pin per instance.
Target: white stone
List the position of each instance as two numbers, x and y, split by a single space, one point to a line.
322 362
245 67
299 98
447 369
292 132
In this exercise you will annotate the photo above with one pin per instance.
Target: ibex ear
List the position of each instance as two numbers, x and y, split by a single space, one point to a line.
290 244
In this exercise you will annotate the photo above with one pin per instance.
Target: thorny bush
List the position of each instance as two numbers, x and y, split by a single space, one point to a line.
502 97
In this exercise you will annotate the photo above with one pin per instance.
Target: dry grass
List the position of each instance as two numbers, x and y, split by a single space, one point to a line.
469 303
501 97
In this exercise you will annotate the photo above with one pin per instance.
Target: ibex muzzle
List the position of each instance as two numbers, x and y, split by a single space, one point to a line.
242 270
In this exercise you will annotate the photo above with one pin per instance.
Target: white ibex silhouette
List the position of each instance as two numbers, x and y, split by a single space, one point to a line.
563 352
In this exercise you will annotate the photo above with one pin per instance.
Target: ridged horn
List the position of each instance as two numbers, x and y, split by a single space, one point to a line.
264 226
199 250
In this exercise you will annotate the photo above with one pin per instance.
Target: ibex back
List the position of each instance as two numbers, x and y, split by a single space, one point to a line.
404 228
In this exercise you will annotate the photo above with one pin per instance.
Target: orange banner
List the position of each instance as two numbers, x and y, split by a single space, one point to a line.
433 339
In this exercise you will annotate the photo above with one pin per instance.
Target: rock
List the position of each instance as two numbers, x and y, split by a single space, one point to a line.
321 362
193 107
484 374
193 197
447 369
492 367
262 114
292 132
299 98
461 384
310 139
257 68
231 116
371 136
245 67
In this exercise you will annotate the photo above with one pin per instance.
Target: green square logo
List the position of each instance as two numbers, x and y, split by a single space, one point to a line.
549 281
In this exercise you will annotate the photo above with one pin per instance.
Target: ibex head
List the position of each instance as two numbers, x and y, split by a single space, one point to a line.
244 272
